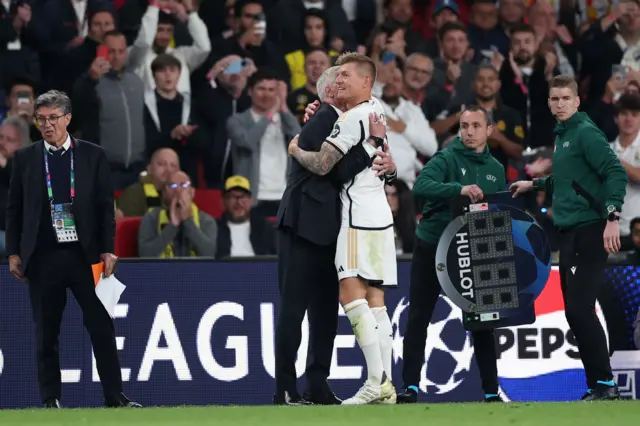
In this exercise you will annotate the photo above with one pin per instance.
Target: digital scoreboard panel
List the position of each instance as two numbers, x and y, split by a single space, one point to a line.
493 261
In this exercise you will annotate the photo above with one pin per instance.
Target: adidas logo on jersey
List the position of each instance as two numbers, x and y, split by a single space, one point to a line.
340 269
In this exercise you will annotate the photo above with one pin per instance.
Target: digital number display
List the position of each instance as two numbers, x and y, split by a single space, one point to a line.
490 238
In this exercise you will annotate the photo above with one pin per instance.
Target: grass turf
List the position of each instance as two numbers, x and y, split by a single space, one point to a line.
520 414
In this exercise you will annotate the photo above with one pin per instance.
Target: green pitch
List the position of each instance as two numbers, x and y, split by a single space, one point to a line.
517 414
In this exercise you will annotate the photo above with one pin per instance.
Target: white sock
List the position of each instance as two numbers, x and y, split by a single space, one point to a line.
364 327
385 338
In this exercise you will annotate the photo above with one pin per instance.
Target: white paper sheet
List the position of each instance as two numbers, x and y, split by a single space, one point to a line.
109 291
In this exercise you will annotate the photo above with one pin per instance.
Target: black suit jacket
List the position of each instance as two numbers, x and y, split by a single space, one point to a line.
93 206
310 205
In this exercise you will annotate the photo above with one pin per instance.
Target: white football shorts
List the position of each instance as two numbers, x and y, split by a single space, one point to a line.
370 255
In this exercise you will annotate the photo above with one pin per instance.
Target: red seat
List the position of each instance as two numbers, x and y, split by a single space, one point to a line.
209 201
127 236
117 193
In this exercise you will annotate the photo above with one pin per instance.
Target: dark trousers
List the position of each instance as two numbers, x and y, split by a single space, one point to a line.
423 295
307 280
49 275
583 260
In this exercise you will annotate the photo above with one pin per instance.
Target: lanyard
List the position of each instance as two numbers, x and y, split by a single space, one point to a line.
48 175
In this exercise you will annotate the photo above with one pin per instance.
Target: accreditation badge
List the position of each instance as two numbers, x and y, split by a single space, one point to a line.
64 223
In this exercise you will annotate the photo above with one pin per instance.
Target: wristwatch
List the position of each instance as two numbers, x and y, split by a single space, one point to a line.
378 141
612 216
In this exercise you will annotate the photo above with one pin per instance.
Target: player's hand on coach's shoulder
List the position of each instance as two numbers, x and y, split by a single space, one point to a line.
311 109
472 191
520 187
383 164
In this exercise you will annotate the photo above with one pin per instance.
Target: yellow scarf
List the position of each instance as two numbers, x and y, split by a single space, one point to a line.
151 195
163 219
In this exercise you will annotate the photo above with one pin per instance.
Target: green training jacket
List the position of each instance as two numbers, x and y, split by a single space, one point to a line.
442 179
587 175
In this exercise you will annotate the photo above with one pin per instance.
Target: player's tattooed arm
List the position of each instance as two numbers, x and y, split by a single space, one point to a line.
321 162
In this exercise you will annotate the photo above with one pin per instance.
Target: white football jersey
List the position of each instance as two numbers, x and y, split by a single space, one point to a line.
364 203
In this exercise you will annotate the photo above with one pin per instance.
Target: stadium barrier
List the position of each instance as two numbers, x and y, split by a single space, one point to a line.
199 332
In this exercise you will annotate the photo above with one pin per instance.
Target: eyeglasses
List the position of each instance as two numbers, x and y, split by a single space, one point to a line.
419 70
183 185
53 119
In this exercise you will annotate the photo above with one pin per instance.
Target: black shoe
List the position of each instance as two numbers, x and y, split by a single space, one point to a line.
494 398
321 396
287 398
587 396
52 403
603 393
409 396
120 400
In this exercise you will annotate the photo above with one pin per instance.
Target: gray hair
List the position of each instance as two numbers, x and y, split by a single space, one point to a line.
413 56
54 99
328 77
20 124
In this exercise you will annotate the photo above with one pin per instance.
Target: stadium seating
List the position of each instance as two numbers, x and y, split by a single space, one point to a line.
209 201
127 236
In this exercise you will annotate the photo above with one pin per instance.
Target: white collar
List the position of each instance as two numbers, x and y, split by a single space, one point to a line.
618 148
65 146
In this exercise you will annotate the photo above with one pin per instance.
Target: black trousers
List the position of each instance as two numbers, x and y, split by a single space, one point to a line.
583 260
49 274
307 280
423 294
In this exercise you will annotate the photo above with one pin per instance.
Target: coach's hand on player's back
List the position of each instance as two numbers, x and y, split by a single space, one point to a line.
472 191
310 110
520 187
377 126
383 163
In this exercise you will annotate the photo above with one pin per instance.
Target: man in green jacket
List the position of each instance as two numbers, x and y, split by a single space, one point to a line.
588 188
464 167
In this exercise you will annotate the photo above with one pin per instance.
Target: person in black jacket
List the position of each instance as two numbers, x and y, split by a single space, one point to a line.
308 223
60 222
241 232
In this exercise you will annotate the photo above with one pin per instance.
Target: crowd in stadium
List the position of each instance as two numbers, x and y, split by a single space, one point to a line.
200 98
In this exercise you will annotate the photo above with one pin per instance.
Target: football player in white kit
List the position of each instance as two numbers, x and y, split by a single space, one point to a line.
365 252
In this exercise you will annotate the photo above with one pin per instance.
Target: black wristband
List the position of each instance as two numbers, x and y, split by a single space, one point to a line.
378 141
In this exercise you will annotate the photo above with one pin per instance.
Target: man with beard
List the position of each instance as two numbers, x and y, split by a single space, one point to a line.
506 139
240 232
525 75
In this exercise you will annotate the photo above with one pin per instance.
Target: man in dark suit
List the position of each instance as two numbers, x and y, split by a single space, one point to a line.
308 223
60 221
